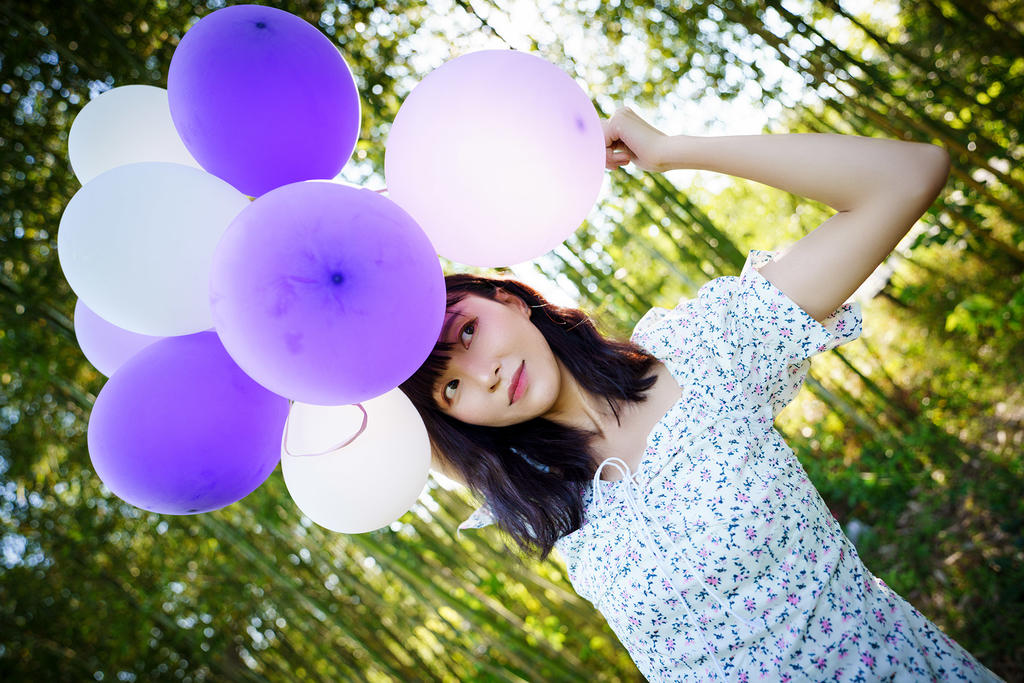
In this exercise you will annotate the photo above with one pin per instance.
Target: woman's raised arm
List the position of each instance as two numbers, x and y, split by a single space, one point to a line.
880 187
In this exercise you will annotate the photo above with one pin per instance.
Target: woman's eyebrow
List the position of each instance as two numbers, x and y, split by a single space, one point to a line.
448 325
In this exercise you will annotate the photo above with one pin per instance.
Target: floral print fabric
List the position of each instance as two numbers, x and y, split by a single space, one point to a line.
717 559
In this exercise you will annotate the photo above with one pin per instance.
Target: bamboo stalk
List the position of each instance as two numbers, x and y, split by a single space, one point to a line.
955 142
512 625
904 412
681 253
989 244
603 277
421 587
1006 36
836 403
525 577
884 121
725 250
239 542
365 598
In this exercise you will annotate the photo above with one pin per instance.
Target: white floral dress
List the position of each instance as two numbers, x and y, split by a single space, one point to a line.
717 559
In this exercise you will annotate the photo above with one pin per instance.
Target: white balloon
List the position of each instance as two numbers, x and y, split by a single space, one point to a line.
136 244
124 125
367 484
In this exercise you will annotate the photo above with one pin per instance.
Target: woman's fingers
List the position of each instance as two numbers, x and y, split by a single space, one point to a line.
617 151
614 158
612 141
637 140
609 137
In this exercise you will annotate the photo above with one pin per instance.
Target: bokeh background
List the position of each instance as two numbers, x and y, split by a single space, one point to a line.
913 434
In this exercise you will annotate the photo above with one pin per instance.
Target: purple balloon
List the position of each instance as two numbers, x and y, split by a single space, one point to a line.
104 344
261 98
180 429
326 294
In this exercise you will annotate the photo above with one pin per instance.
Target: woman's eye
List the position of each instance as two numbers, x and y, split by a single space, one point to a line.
449 389
469 329
465 336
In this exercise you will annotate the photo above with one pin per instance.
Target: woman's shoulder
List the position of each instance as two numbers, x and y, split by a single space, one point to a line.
711 297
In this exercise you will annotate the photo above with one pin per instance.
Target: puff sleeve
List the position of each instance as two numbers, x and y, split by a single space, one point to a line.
744 328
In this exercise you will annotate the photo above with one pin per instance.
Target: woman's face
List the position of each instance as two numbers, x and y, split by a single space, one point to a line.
495 345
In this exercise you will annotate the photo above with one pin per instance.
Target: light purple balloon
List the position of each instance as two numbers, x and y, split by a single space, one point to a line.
261 98
104 344
326 294
180 429
523 160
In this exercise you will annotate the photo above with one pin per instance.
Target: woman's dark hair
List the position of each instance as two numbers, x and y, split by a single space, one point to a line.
532 475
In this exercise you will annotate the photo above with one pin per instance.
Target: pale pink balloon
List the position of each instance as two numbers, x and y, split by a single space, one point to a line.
498 155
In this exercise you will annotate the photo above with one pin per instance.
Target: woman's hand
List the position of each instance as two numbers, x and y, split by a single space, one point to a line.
628 138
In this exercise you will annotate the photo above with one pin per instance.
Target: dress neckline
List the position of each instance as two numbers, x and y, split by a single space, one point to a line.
641 466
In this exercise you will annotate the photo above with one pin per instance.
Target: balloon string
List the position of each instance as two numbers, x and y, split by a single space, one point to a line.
362 428
381 191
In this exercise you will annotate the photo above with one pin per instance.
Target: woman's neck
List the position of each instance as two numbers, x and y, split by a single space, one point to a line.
578 408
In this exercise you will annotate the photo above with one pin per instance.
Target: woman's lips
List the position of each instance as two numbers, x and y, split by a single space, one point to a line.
518 385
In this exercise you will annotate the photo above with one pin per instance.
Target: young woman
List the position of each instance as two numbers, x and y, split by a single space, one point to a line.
652 465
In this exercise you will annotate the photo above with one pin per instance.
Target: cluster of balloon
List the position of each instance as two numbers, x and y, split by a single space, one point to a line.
242 304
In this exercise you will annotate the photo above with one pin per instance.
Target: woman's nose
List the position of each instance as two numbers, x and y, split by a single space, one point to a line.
487 374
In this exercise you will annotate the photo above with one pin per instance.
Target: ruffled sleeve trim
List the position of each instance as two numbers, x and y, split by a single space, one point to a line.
793 336
480 518
840 326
